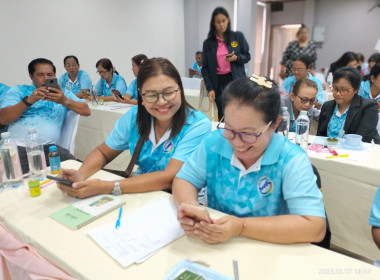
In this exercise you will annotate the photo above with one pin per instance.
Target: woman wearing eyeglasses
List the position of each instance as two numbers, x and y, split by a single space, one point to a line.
301 66
109 80
74 79
302 98
262 181
348 113
168 126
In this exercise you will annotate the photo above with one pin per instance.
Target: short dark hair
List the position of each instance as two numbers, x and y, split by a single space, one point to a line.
304 58
70 56
302 27
106 64
374 57
350 74
139 59
154 67
198 52
360 56
304 83
211 33
32 65
375 70
247 92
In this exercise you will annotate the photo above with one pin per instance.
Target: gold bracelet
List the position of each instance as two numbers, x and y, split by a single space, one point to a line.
243 226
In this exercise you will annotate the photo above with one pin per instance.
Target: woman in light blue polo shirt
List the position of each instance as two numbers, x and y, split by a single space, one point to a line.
170 128
300 70
262 181
371 88
74 79
130 97
109 79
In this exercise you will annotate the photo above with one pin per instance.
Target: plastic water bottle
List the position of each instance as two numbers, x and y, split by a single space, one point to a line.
55 160
1 174
302 130
35 152
94 96
12 168
285 122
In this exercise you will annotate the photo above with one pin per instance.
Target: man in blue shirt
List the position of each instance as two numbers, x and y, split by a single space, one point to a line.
196 69
36 105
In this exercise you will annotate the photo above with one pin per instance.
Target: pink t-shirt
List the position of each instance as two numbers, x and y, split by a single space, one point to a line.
222 67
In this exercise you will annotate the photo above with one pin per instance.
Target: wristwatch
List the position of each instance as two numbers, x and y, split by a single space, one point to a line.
24 99
116 189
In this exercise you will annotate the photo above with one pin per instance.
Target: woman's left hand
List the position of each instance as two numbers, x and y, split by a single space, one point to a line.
83 189
232 58
220 230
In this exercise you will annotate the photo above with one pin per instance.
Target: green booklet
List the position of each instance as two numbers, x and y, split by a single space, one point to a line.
84 211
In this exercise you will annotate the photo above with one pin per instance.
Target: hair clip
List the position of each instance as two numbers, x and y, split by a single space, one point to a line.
261 81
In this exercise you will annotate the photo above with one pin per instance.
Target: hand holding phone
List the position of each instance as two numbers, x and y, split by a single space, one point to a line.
117 93
196 212
60 180
51 82
230 55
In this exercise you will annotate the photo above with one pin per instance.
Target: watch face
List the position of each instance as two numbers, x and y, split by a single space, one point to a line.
117 189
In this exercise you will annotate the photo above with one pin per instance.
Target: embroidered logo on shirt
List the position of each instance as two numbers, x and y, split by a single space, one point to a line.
265 186
234 44
168 146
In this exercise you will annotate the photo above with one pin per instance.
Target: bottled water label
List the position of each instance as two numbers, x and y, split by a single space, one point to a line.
36 160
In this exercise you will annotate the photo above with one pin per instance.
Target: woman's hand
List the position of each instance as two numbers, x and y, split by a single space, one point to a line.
211 96
187 223
220 230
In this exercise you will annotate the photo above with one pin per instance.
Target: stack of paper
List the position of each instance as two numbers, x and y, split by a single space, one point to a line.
141 233
116 106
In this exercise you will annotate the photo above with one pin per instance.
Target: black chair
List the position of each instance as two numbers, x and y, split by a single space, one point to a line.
325 243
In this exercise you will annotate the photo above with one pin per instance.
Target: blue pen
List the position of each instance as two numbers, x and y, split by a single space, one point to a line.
118 219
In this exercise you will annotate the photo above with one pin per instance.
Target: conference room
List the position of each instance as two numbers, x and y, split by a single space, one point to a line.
175 30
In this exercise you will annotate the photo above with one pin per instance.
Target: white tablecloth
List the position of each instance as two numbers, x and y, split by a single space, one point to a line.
74 251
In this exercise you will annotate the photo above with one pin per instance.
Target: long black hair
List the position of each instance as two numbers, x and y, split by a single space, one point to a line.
343 61
154 67
211 33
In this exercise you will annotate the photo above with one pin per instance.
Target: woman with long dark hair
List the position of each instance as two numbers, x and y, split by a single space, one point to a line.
224 54
169 128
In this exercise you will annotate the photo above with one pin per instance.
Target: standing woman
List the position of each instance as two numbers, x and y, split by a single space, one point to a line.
109 79
74 79
224 54
348 113
371 88
130 97
300 46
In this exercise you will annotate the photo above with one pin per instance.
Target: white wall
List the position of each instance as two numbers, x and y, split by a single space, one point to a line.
89 29
348 28
291 14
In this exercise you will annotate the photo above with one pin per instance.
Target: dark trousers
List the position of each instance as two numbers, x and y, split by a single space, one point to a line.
63 153
223 81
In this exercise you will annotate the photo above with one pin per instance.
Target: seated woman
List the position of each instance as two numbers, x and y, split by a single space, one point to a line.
169 128
262 181
300 70
374 218
371 88
348 113
130 97
348 59
109 80
74 79
302 98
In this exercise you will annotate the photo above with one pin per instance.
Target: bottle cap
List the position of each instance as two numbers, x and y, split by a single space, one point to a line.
284 108
53 148
303 113
31 129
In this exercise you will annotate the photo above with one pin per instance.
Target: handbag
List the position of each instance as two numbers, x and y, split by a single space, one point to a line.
135 155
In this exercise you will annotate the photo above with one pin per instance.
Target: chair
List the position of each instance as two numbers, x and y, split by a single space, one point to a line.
191 83
325 243
69 131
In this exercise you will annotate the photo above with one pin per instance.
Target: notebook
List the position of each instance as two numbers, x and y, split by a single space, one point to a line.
84 211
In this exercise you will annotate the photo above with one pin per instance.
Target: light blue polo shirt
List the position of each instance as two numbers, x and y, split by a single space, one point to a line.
46 116
365 91
83 81
282 182
3 89
154 157
289 82
118 82
374 216
335 128
196 67
132 89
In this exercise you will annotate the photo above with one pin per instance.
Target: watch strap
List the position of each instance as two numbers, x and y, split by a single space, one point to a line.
24 100
116 189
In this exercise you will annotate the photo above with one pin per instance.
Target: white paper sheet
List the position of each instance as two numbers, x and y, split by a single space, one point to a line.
115 106
141 233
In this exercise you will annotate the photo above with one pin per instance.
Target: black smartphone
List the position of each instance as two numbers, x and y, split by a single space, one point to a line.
51 82
229 55
60 180
118 93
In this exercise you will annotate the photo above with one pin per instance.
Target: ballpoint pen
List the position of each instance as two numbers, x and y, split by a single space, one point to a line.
118 219
236 269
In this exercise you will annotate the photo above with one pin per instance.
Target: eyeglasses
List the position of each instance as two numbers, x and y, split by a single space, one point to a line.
294 69
152 97
246 137
102 72
304 100
343 91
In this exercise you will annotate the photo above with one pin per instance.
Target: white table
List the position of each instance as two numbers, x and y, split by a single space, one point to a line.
78 254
